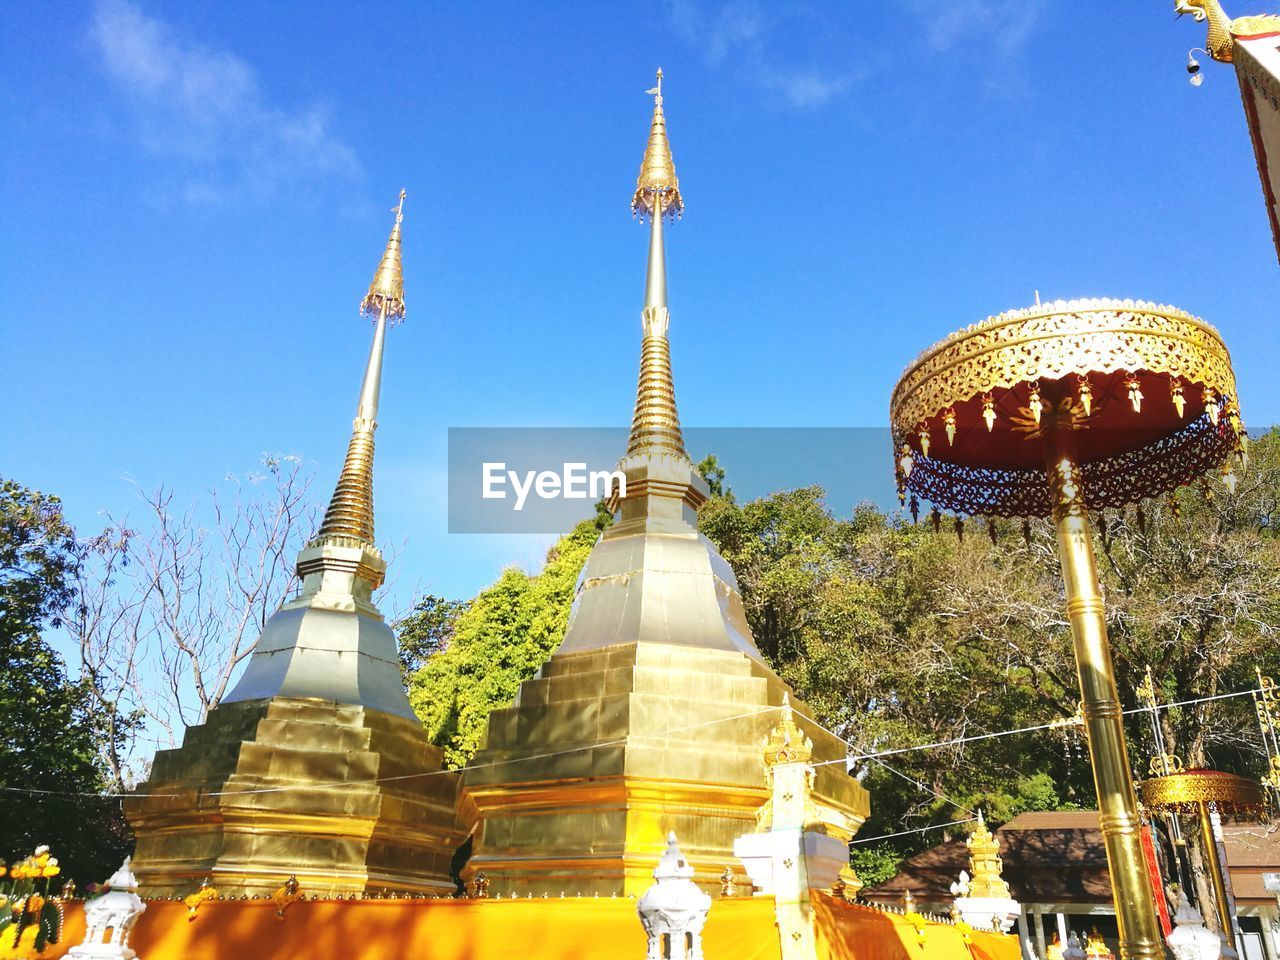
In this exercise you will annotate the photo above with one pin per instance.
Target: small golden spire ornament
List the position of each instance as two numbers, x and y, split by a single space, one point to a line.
657 187
989 411
387 289
786 742
985 865
728 882
1034 403
1179 399
1086 396
905 460
1135 393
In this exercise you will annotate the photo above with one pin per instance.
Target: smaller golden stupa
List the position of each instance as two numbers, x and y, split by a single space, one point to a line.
314 766
986 877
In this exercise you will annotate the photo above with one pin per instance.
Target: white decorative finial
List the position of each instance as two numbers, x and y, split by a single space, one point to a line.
656 92
673 910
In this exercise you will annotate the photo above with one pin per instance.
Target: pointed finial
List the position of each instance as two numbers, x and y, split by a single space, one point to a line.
657 187
985 865
786 742
386 292
349 516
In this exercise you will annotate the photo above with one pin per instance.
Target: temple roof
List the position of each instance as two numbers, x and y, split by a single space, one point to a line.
1059 857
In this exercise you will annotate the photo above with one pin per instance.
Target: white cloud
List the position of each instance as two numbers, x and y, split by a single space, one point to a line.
746 34
807 88
1003 25
733 26
205 109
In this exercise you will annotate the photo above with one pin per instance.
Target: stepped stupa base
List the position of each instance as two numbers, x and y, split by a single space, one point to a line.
265 789
606 751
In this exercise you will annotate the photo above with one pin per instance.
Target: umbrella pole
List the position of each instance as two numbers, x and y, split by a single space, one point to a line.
1213 863
1100 704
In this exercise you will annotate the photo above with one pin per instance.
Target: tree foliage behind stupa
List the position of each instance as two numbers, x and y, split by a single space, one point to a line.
499 639
898 637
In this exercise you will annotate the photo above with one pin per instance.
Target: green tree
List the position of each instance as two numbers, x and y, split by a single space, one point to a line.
427 630
500 639
51 737
898 637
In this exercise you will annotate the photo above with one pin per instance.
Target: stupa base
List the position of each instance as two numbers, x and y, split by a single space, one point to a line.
608 750
347 799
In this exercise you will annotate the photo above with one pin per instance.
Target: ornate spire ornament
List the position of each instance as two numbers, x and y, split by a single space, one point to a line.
985 865
657 186
349 518
386 292
655 426
786 742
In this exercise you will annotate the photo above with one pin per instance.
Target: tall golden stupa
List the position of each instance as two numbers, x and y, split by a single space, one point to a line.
649 717
314 765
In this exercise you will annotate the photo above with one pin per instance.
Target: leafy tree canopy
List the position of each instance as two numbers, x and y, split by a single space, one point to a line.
50 739
899 637
494 642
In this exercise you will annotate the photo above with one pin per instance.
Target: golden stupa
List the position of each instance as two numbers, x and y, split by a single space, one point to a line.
314 765
649 717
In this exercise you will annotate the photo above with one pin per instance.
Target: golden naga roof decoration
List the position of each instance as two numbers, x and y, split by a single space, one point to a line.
786 742
1150 385
386 292
657 187
985 866
1224 31
1183 792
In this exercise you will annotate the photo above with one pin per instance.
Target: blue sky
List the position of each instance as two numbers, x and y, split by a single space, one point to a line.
194 197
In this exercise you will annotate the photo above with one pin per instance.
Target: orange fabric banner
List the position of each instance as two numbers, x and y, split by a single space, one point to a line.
848 931
583 928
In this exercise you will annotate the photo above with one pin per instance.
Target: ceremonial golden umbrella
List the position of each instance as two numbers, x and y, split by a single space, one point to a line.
1193 791
1053 411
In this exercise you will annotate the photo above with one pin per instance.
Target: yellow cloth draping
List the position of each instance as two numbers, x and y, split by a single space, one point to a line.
847 931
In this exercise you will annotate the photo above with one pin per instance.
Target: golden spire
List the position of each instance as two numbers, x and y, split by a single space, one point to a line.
655 427
786 742
387 289
985 865
657 181
350 513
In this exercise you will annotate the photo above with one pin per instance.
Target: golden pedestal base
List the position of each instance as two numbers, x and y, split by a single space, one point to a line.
268 788
608 750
